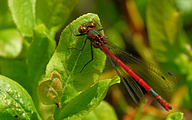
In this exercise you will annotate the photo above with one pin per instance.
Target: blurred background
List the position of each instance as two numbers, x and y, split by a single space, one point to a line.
159 33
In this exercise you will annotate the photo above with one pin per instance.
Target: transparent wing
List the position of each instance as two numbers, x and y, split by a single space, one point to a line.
130 84
153 75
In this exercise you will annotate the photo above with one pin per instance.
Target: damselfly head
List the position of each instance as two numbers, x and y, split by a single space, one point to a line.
92 24
82 29
85 26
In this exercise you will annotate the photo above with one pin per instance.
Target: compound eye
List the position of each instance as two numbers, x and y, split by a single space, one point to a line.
82 29
93 23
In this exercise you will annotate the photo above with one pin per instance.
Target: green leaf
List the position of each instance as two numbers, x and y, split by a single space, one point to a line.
50 89
5 17
184 6
81 105
69 62
54 13
16 70
175 116
38 56
104 111
164 29
15 101
10 42
23 13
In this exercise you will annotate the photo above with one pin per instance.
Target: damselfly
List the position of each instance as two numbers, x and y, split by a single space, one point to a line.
142 69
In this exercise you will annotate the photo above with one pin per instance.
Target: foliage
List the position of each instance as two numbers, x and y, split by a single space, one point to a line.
41 79
72 95
175 116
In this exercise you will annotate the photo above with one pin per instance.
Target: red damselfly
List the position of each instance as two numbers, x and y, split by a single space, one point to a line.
142 69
